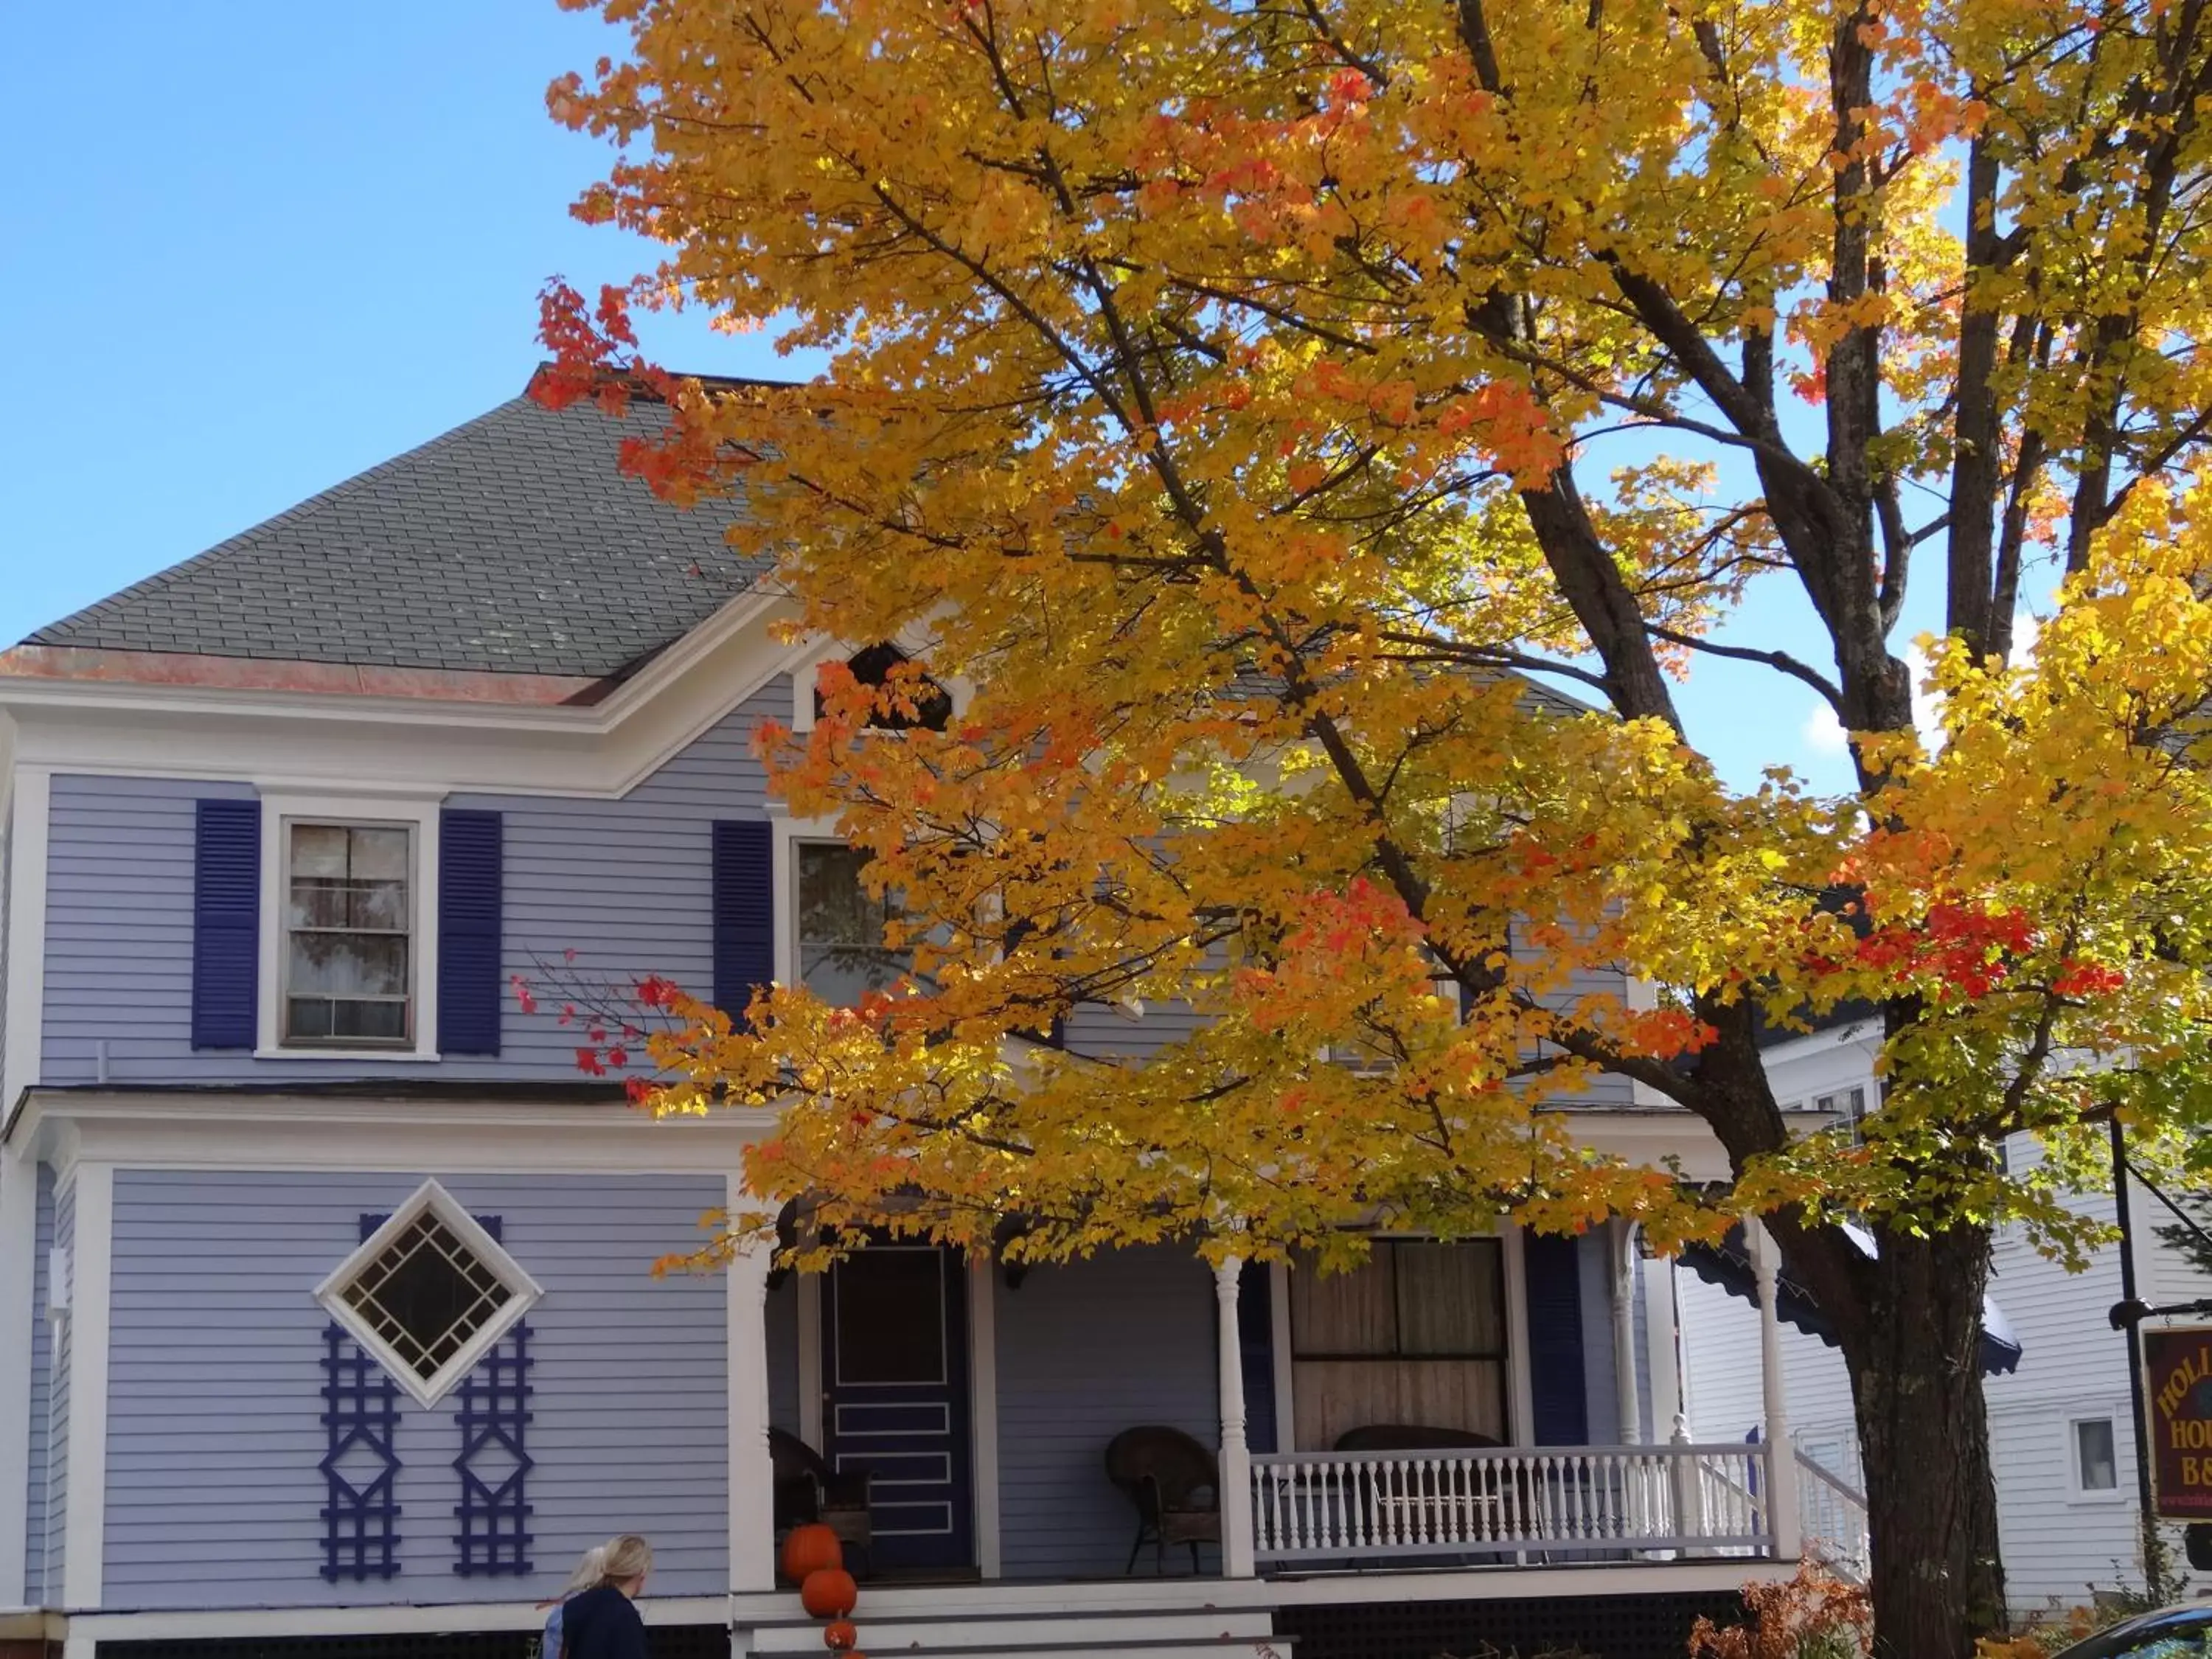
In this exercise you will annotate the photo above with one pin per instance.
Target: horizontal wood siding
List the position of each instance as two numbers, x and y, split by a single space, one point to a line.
1085 1351
42 1394
58 1413
215 1427
624 882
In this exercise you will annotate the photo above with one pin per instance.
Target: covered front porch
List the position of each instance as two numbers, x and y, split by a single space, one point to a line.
1505 1406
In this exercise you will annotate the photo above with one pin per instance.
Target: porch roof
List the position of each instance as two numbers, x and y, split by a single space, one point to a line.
1729 1265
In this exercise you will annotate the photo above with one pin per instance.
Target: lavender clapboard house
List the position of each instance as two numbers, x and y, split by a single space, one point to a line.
327 1322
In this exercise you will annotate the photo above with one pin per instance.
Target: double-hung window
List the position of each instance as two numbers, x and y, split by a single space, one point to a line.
348 975
1416 1334
842 929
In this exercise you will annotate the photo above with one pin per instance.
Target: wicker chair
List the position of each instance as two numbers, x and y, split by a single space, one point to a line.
807 1489
1175 1484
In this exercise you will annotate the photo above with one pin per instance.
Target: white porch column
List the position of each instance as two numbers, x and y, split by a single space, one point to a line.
752 1472
1235 1456
1628 1408
19 1244
1781 1449
84 1520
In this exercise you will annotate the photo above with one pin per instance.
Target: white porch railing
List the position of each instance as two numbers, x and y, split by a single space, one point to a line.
1316 1506
1831 1519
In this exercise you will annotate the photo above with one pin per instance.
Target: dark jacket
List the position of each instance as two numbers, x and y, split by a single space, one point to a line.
602 1624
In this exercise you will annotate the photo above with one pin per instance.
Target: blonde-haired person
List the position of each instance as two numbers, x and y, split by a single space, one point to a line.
590 1570
602 1622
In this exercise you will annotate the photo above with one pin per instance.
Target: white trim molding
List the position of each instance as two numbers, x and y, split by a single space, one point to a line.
323 740
418 816
84 1520
19 1200
431 1201
26 932
392 1134
751 1496
1520 1385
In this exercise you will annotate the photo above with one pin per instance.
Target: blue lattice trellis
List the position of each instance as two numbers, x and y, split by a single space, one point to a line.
494 1415
360 1411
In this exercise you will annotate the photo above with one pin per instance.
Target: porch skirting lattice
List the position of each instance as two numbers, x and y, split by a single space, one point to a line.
1653 1625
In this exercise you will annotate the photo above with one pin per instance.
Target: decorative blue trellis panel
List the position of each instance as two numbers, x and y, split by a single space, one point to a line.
361 1469
494 1466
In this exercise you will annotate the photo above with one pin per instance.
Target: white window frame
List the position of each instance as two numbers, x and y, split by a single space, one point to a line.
958 687
434 1199
420 817
790 833
2075 1492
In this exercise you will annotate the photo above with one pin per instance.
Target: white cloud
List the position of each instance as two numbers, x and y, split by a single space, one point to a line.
1822 733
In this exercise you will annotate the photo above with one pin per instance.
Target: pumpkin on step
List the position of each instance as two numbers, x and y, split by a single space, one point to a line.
828 1593
810 1549
841 1636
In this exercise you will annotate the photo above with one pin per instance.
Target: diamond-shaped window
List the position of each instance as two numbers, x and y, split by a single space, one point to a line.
427 1293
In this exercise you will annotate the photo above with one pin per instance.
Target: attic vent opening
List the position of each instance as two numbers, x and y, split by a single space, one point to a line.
932 704
428 1293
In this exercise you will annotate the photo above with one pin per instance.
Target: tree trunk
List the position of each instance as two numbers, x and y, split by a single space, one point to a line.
1915 1364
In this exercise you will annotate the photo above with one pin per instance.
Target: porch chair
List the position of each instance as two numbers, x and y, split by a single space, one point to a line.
1175 1484
808 1490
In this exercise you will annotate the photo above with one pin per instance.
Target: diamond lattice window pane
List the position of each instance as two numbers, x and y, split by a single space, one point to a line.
427 1293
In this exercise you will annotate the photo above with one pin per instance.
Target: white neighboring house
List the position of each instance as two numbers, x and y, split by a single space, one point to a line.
2060 1429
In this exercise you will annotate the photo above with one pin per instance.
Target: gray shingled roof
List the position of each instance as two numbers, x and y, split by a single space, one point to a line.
510 545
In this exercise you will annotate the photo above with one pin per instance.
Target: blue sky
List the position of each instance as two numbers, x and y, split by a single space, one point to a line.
252 249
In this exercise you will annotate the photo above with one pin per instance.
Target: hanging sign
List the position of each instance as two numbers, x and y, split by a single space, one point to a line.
2177 1382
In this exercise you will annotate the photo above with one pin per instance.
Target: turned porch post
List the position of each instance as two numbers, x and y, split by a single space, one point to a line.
1628 1408
1781 1449
1235 1456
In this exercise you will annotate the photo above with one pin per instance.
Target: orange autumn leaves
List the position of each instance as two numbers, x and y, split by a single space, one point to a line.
1219 398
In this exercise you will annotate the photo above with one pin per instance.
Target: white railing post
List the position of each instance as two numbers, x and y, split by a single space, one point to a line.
1782 1523
1235 1456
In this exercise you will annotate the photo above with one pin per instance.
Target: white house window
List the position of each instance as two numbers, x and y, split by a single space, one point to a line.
349 956
1416 1334
2096 1459
872 667
842 956
427 1293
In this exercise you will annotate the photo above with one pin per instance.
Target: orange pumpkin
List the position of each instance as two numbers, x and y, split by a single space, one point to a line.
841 1635
828 1593
810 1549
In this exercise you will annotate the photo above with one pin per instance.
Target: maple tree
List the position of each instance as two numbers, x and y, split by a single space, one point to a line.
1247 403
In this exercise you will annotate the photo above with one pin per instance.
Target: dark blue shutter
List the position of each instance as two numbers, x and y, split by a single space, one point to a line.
226 924
469 906
744 913
1560 1396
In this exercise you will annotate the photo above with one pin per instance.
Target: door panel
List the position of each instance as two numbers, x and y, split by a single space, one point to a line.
895 1401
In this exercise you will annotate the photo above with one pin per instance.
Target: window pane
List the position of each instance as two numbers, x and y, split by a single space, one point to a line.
833 908
2093 1450
1448 1300
350 965
890 1315
1345 1313
319 850
841 954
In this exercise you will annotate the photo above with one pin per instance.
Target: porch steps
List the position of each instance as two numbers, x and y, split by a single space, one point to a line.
1128 1632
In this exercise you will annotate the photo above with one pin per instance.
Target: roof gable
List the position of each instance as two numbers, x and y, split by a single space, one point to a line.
511 544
